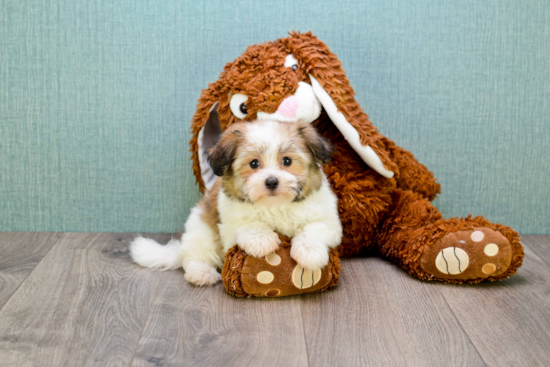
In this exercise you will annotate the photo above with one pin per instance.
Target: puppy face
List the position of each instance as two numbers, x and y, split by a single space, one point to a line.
270 163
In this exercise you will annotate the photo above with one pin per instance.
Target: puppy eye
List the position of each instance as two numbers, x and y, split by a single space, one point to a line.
238 105
254 164
294 67
287 161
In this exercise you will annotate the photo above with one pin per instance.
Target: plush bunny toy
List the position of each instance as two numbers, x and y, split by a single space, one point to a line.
384 193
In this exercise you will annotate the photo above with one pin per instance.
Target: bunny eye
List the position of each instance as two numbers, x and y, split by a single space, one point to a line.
291 62
238 105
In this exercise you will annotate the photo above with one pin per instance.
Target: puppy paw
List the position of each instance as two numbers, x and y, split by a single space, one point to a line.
308 254
201 274
259 244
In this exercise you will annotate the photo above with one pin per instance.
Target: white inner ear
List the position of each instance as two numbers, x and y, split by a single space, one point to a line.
350 134
208 137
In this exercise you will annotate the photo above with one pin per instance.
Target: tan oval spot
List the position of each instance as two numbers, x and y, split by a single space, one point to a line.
273 292
488 268
491 249
452 260
477 236
303 278
273 259
265 277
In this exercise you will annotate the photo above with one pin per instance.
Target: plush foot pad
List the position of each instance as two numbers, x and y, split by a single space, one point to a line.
275 275
467 255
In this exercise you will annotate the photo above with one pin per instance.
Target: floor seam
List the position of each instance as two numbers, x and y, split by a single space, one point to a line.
534 251
462 327
146 320
32 271
304 332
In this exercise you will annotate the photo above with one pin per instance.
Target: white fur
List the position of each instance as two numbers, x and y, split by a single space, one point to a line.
201 274
147 252
258 193
257 239
199 235
313 224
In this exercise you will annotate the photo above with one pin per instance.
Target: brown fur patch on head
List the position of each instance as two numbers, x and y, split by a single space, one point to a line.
221 156
320 147
320 150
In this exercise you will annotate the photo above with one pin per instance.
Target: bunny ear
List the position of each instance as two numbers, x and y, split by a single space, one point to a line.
208 136
368 155
206 132
332 88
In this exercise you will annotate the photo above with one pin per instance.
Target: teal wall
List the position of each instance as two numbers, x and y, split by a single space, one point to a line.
96 99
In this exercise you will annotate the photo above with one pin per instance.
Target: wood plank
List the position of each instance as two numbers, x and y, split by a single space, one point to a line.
85 304
379 315
21 252
508 321
191 326
540 244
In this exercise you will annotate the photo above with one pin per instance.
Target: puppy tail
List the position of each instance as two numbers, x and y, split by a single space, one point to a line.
151 254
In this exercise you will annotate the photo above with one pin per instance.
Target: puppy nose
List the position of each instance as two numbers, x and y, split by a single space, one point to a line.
288 107
271 183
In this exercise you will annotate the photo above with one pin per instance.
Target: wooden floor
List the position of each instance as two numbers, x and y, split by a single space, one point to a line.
76 299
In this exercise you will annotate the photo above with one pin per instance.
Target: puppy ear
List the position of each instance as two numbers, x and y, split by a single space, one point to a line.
221 156
335 93
320 147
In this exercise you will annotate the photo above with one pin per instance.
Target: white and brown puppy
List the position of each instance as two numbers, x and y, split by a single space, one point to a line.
271 181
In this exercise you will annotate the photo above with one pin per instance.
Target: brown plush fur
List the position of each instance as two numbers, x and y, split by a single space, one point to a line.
413 224
393 215
234 263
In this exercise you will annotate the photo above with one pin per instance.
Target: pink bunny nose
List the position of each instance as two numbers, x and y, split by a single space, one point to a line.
288 107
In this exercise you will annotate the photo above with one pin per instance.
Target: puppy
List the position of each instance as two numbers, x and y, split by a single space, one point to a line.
271 181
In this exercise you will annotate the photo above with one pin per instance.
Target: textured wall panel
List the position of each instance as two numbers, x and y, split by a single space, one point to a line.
96 99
